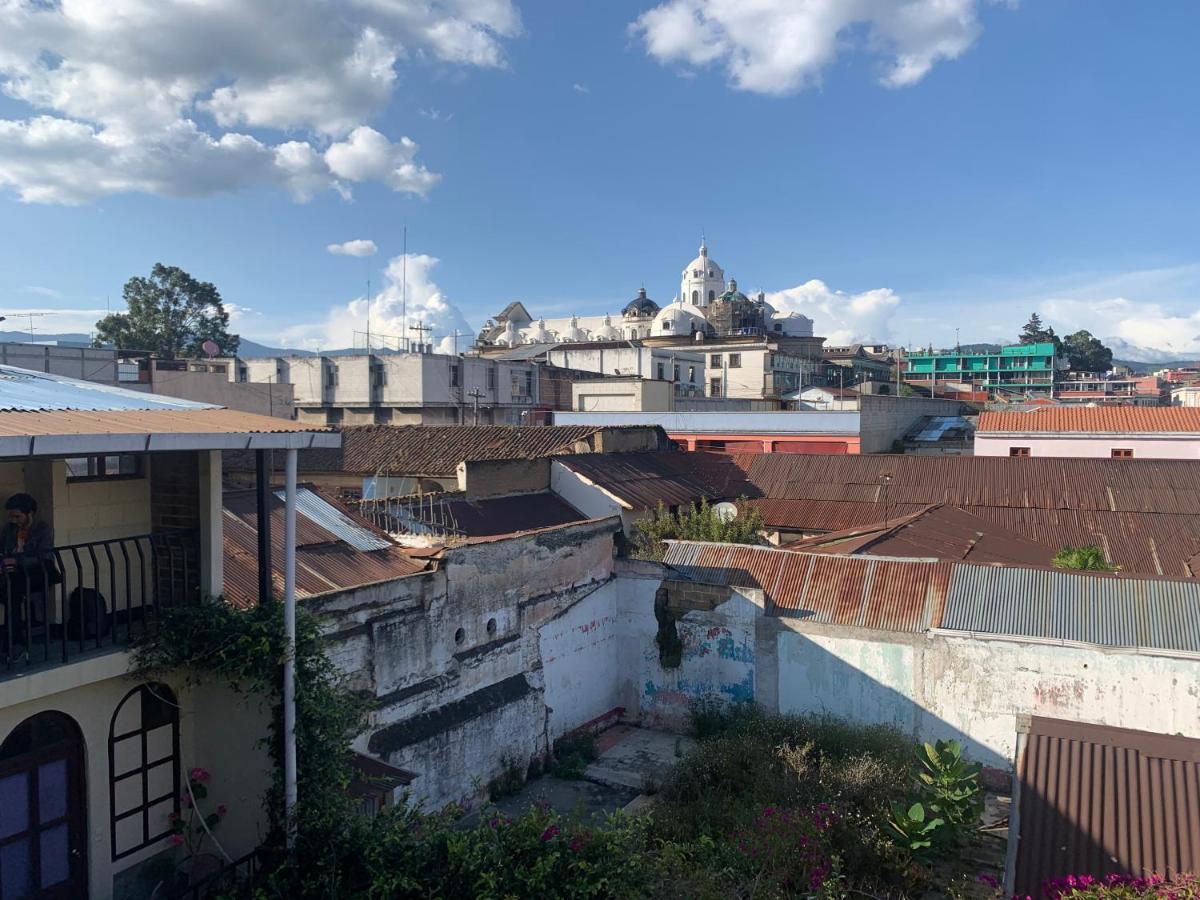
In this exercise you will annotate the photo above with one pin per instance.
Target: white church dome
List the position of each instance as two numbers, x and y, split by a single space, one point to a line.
678 319
538 333
575 334
606 332
792 325
509 337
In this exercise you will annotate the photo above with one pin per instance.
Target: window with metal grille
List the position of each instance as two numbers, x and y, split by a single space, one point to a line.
735 360
1018 451
143 768
454 376
1122 453
95 468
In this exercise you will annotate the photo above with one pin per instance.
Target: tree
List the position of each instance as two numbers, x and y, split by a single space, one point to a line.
696 523
169 313
1035 332
1086 353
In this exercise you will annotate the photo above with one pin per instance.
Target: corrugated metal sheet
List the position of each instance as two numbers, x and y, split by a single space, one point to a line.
643 480
1112 611
29 391
1094 420
325 560
863 592
317 509
1096 800
200 420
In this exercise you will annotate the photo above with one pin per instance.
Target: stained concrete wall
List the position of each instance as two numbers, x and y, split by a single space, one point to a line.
884 419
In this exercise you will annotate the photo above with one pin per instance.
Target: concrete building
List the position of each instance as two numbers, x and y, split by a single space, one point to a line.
402 388
1186 396
1131 390
1117 432
1016 369
623 395
85 363
830 398
130 484
857 364
874 426
684 369
220 382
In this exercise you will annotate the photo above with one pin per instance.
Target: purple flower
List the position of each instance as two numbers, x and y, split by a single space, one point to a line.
990 880
550 833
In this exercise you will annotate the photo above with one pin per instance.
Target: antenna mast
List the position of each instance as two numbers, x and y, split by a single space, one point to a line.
368 306
404 289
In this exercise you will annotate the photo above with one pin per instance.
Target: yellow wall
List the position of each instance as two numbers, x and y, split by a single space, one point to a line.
218 731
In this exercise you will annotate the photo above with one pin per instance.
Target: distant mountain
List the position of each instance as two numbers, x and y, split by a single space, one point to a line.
22 337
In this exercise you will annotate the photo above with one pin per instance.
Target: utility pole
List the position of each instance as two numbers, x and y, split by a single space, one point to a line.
475 394
420 328
404 288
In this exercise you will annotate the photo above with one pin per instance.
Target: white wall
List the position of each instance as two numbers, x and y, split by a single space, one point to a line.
1165 446
580 650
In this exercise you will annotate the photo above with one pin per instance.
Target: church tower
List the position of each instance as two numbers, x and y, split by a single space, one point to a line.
703 280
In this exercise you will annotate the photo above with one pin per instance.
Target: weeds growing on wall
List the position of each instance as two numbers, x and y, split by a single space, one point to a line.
696 523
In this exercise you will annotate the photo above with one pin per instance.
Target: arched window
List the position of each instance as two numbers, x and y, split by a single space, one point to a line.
712 295
43 812
143 768
695 297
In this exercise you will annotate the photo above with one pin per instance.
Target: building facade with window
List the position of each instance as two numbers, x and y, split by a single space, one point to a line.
1016 369
1114 432
403 388
126 500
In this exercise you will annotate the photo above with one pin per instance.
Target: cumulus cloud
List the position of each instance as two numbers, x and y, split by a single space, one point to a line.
783 46
353 248
163 97
426 304
839 317
1147 332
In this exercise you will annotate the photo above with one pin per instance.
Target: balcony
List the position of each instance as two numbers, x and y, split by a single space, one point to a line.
80 600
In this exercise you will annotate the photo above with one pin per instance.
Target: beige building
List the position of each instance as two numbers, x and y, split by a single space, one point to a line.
219 381
623 395
402 388
93 762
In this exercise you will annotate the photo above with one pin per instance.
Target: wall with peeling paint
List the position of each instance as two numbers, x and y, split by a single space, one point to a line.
580 653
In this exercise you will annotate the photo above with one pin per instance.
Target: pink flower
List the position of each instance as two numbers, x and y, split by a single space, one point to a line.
550 833
576 844
177 840
199 774
222 809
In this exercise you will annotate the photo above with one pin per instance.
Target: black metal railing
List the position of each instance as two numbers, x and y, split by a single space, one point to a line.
80 598
228 879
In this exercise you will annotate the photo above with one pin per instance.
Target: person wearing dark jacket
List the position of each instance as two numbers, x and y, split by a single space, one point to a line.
25 557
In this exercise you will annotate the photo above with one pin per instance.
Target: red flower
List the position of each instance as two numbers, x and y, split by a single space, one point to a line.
177 840
199 774
550 833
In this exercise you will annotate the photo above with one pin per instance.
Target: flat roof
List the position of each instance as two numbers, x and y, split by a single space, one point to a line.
724 422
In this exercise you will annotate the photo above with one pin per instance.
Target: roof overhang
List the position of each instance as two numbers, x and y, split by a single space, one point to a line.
99 444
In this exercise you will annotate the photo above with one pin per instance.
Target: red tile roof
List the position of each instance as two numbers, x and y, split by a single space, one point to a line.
1095 420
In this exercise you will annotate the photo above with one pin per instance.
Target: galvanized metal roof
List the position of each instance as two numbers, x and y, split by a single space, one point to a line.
30 391
1113 611
313 506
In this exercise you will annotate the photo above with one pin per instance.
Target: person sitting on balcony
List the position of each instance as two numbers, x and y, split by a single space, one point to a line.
25 555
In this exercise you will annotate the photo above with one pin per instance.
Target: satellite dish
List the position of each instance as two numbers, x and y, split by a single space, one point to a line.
210 348
726 512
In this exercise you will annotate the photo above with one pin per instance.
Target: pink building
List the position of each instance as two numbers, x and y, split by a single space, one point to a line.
1118 432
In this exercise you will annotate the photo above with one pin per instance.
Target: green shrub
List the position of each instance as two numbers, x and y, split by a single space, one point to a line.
572 755
1088 559
695 523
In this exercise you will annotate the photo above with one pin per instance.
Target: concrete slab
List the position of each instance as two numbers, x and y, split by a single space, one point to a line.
636 757
585 800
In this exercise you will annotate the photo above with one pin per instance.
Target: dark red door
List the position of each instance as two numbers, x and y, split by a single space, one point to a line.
43 811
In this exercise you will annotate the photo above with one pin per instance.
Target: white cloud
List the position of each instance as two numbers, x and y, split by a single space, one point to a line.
344 325
1148 332
353 248
580 88
783 46
366 155
839 317
38 291
157 96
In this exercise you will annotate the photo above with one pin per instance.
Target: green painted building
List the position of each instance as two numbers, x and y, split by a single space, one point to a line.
1020 367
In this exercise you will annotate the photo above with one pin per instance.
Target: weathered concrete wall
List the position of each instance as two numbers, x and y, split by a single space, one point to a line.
495 478
454 657
580 650
883 419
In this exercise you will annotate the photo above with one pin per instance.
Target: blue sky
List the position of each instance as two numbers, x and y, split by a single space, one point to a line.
1031 156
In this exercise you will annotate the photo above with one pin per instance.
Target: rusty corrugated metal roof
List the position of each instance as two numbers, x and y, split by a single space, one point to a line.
489 516
864 592
325 560
1097 800
1094 420
673 478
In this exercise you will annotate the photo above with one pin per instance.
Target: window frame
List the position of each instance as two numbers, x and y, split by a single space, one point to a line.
96 466
168 699
735 360
1121 453
1020 452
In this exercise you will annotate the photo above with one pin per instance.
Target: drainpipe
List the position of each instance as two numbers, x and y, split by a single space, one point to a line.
289 664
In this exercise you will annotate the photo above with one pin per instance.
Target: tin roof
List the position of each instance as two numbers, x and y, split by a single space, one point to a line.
1095 799
335 548
1095 420
865 592
673 478
941 532
1075 606
491 516
30 391
438 449
914 595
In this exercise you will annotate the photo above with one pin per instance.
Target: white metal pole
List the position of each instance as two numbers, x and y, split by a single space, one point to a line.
289 665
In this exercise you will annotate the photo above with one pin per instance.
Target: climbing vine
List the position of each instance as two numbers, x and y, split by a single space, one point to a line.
246 649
